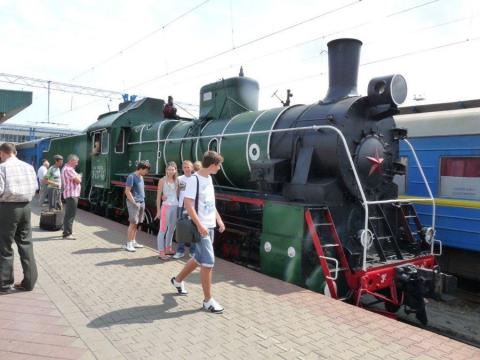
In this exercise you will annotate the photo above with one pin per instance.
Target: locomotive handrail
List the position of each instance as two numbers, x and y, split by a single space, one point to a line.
365 203
429 193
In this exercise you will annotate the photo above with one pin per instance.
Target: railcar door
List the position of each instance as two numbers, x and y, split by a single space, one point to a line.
100 159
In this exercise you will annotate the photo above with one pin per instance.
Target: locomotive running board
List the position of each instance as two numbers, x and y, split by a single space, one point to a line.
319 247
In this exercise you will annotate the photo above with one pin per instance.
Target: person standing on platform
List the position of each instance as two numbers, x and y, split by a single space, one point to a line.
197 165
18 184
135 193
54 181
42 183
71 192
205 220
187 168
167 195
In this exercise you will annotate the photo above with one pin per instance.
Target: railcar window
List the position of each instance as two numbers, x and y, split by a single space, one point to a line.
401 180
460 177
104 142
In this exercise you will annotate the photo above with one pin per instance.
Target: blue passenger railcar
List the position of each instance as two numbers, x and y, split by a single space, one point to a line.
448 147
32 151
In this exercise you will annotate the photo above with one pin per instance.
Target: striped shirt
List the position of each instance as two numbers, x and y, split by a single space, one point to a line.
70 188
18 181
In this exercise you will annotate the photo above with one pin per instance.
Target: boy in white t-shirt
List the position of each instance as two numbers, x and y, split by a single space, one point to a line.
205 220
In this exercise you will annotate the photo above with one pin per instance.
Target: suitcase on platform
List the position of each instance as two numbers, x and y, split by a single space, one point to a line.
51 220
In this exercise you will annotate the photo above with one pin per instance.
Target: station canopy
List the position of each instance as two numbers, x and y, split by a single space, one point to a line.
12 102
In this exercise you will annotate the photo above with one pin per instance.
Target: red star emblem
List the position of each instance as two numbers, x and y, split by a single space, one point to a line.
376 163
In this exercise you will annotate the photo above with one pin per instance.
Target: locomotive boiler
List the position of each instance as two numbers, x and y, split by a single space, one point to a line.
307 192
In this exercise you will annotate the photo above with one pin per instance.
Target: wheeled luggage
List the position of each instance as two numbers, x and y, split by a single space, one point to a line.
51 220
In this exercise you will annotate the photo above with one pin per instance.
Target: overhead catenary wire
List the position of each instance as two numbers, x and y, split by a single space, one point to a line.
289 47
389 58
245 44
306 77
136 42
327 35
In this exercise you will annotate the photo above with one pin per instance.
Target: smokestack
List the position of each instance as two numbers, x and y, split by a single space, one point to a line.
343 60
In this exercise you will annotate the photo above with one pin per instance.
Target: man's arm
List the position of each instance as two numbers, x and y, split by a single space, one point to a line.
221 225
2 183
161 182
49 178
72 175
129 195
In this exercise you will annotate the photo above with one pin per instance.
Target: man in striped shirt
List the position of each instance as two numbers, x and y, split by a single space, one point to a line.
18 184
71 181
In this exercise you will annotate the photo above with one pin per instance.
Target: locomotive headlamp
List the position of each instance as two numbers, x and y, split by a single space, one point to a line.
428 233
385 90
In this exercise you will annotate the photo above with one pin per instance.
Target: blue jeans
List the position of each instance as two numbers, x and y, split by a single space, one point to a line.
181 244
204 255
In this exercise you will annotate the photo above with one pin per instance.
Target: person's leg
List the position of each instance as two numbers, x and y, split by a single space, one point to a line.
23 239
163 230
51 198
42 194
134 232
171 223
74 213
206 257
68 217
131 231
192 249
133 212
187 270
141 217
57 199
180 251
7 233
206 276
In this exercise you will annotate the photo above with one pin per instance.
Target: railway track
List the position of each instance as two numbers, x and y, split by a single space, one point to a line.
457 317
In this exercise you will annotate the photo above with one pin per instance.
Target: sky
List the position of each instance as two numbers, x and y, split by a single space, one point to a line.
158 48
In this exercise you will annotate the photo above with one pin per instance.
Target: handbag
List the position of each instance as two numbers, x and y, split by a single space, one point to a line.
186 230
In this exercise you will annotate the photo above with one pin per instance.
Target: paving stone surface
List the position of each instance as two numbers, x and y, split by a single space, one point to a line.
101 302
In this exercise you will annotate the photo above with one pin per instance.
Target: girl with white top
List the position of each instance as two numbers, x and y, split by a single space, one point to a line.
167 193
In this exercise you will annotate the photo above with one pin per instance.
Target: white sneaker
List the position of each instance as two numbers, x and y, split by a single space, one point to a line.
178 255
180 286
137 245
213 306
129 247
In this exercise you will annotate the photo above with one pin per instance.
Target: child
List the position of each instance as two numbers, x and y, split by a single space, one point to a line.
168 193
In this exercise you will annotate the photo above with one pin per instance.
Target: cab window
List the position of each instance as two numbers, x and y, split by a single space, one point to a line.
120 146
104 142
96 143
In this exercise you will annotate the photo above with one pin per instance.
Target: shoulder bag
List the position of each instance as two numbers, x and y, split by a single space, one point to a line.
186 230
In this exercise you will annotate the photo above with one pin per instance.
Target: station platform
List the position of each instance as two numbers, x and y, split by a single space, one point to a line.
94 300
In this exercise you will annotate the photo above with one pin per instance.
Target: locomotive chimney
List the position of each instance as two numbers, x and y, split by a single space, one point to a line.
343 59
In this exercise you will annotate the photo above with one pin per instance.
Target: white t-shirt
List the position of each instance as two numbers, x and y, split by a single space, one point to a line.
182 184
42 171
206 198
